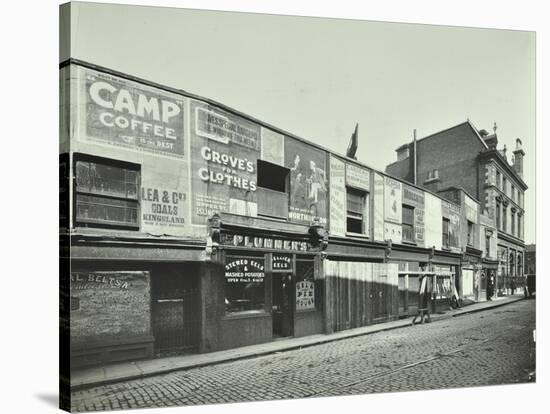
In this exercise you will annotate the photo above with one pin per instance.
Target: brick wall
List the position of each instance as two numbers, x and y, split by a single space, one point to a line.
108 306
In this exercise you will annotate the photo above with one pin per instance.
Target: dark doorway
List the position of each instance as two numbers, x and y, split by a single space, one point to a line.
282 312
176 310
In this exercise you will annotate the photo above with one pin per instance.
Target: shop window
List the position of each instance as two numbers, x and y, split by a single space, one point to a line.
356 217
106 193
273 189
445 238
307 288
470 233
244 285
408 223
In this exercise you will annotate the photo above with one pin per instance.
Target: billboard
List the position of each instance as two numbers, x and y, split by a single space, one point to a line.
308 182
392 200
337 197
415 198
224 153
128 114
164 204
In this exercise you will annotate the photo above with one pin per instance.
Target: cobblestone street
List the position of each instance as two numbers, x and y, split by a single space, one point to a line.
491 347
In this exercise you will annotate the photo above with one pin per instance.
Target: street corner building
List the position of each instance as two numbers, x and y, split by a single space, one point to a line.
189 227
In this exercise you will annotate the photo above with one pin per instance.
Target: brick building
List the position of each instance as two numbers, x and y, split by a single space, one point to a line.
466 158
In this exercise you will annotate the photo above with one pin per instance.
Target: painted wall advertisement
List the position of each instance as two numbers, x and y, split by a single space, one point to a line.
244 270
392 200
357 177
452 212
415 198
305 295
273 147
163 204
128 114
108 305
378 225
308 182
470 207
433 221
224 152
337 197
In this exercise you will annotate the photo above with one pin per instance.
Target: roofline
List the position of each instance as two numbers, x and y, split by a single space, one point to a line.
447 129
508 167
452 187
182 92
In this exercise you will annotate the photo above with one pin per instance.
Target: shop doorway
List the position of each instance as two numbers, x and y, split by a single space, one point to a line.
175 310
282 288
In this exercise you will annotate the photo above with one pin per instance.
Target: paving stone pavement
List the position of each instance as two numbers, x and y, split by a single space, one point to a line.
486 348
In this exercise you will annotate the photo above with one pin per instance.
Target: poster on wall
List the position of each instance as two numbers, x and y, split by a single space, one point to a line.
415 198
308 182
357 177
337 198
470 209
224 153
109 305
164 205
392 200
378 193
433 221
273 147
128 114
305 295
452 212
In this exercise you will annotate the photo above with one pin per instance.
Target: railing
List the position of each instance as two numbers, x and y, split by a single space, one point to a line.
272 203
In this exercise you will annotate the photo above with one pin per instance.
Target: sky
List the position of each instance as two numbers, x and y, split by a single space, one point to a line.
318 77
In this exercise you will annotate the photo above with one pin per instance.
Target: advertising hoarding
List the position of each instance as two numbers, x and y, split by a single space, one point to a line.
308 182
224 153
124 113
337 197
392 201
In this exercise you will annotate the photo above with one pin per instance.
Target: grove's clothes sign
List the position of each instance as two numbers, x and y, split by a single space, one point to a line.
125 113
308 182
357 177
224 153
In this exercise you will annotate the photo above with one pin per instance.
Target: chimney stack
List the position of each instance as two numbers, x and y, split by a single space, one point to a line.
518 158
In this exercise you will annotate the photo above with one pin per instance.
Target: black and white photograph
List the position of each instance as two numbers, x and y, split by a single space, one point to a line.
318 219
282 207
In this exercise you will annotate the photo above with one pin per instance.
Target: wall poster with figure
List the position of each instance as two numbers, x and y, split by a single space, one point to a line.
308 182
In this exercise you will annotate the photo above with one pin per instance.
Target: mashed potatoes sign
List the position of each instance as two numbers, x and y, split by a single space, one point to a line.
125 113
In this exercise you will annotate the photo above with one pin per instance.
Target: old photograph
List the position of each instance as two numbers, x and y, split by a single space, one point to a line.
264 207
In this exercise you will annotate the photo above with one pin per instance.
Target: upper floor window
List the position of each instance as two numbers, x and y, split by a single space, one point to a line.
356 211
106 193
504 185
499 224
513 193
471 234
273 189
499 183
445 235
513 223
487 245
504 216
432 175
408 223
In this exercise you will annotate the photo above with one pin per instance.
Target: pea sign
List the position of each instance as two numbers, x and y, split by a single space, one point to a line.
305 294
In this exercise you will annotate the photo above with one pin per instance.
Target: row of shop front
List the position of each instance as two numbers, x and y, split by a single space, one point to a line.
135 298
